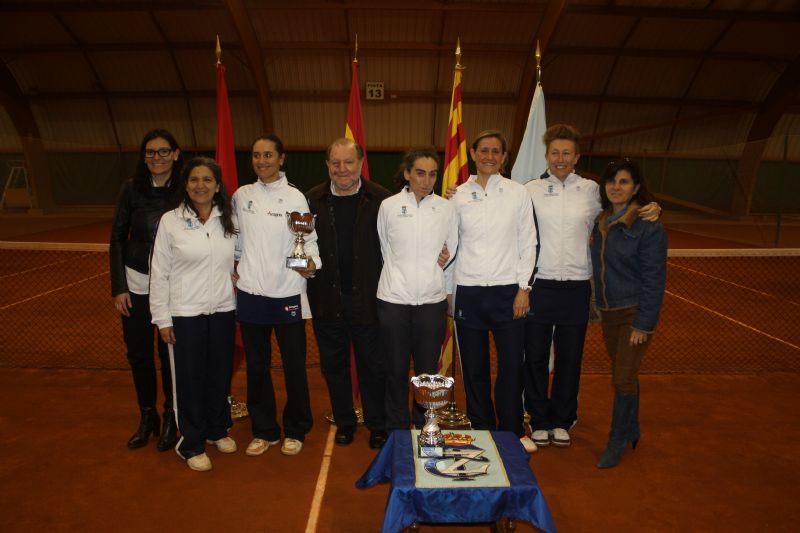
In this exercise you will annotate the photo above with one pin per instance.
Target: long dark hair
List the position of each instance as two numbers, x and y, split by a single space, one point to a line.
141 179
409 158
641 197
221 198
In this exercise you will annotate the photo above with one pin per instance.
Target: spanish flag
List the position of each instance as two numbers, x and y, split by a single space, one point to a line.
456 172
354 129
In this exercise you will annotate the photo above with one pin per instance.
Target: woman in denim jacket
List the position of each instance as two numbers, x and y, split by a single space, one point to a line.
629 258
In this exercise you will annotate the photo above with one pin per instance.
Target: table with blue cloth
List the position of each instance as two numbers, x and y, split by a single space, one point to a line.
456 502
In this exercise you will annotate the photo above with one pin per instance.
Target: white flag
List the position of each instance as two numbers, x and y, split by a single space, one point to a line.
531 160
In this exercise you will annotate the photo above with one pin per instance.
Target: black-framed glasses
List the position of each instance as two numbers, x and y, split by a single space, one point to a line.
162 152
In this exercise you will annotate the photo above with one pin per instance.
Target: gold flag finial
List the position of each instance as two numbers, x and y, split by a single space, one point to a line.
355 52
219 52
538 64
458 54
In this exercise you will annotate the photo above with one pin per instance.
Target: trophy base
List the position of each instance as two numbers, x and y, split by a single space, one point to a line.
451 417
238 409
430 451
297 262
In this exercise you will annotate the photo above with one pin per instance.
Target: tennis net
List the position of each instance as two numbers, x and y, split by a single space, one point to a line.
725 311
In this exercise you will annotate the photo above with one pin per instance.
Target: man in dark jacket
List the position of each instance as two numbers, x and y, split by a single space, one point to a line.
342 295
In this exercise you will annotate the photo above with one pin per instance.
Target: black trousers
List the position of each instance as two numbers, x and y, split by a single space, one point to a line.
333 339
560 315
297 419
406 332
138 331
491 309
203 360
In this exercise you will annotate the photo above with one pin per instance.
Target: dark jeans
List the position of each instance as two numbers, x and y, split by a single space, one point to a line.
203 361
138 331
409 331
334 338
297 419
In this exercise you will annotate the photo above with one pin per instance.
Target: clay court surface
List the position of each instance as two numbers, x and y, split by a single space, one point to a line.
718 452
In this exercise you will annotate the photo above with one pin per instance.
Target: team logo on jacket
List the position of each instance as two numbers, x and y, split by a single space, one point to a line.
280 200
550 188
270 213
474 195
292 309
404 212
249 208
501 189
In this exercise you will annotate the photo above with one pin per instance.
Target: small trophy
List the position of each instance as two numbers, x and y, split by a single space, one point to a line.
300 224
431 392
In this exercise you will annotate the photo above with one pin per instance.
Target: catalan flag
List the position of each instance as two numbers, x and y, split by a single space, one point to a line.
354 129
456 172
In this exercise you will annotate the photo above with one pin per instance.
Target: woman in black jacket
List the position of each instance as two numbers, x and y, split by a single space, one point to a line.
142 200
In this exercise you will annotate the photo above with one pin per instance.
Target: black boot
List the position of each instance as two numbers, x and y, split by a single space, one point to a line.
148 424
622 428
169 432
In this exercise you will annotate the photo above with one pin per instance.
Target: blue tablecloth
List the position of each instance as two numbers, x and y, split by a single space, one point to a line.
408 504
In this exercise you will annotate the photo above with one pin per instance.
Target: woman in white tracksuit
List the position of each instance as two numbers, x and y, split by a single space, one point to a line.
192 303
272 297
413 226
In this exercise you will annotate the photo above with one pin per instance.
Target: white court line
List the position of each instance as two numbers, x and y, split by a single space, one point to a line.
745 287
322 480
737 322
52 291
40 267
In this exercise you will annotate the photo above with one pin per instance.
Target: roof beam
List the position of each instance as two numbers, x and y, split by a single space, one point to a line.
313 95
547 27
255 59
783 94
673 13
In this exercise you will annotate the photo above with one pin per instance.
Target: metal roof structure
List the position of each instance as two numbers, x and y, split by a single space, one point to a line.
653 76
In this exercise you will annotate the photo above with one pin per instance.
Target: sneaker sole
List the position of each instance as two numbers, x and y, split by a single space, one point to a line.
561 443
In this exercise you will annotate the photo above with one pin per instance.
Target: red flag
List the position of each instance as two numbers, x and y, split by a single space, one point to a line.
354 129
226 153
456 172
226 157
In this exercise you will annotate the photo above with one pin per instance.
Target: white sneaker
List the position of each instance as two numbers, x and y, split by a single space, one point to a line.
259 446
541 438
291 446
199 463
561 438
528 444
225 444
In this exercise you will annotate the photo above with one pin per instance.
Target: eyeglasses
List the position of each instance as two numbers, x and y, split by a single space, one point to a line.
162 152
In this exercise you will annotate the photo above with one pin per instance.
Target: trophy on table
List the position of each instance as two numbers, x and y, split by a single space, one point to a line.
300 224
431 391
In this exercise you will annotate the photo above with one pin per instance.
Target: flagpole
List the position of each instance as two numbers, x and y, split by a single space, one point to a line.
451 417
238 409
